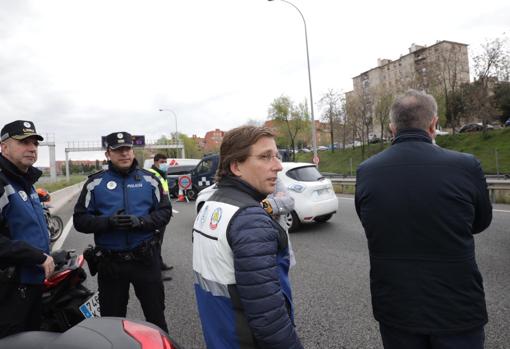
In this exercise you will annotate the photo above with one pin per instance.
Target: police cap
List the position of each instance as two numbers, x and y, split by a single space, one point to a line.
116 140
19 130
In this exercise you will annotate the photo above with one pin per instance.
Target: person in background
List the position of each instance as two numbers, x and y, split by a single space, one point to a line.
159 169
240 253
24 240
124 207
420 206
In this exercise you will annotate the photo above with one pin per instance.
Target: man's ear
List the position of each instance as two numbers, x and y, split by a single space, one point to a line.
235 169
106 155
432 126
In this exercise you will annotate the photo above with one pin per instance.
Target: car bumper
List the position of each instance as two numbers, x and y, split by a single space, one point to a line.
308 210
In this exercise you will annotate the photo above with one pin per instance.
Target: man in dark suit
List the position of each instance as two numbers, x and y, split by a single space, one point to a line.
420 205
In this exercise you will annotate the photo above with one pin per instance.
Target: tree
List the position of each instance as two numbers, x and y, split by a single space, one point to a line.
490 65
289 119
383 102
502 99
331 101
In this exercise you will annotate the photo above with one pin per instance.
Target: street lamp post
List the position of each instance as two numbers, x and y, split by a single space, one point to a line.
314 136
175 115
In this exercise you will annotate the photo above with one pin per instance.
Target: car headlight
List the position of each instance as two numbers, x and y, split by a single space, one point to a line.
298 188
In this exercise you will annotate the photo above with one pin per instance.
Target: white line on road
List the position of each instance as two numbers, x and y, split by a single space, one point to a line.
58 244
505 211
175 211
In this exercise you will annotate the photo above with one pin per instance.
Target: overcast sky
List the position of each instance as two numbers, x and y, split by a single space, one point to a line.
82 69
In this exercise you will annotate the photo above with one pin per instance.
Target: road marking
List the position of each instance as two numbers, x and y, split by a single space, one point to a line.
58 244
505 211
175 211
343 198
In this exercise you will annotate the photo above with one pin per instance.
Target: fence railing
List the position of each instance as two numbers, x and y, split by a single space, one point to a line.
499 189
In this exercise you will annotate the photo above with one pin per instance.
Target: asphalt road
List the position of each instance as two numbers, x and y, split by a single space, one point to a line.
330 280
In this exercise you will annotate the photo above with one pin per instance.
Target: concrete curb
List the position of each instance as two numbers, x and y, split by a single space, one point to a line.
62 197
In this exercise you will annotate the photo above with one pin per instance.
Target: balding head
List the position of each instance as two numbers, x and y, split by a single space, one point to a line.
413 109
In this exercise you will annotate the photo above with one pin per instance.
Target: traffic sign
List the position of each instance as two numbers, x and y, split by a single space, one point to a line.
316 160
184 182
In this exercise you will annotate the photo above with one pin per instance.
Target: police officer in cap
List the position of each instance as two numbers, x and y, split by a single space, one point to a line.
124 206
24 241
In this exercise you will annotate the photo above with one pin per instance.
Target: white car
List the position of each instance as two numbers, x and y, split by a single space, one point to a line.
314 196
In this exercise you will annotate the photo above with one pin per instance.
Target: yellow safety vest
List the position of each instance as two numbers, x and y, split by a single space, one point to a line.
164 182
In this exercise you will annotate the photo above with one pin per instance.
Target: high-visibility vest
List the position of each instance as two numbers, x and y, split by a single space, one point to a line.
164 182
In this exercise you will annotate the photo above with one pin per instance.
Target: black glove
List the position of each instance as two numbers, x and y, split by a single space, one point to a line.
124 221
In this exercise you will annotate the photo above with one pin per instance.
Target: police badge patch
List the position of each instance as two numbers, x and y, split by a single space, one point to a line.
111 185
215 218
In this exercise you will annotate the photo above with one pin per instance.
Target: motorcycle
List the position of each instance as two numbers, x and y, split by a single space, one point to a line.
97 333
65 298
55 223
70 317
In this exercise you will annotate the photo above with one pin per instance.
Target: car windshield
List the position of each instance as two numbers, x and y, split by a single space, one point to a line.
178 170
305 174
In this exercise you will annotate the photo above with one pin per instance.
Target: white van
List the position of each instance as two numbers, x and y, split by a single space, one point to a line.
172 162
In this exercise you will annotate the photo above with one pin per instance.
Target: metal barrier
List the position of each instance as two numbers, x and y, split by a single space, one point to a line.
499 189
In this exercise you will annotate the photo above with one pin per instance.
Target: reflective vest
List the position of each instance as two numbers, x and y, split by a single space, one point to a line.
164 182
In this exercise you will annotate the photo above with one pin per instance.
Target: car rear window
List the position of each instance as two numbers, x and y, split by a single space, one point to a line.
305 174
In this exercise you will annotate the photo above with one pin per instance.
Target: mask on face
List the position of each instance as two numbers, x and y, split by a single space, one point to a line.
163 167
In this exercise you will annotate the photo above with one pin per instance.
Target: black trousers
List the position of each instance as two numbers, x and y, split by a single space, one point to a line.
397 339
115 279
20 309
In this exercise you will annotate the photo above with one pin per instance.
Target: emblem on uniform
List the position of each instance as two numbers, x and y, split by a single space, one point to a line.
111 185
120 135
215 218
23 195
27 124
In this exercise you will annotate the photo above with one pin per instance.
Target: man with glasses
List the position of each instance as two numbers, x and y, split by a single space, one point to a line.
24 241
123 207
240 254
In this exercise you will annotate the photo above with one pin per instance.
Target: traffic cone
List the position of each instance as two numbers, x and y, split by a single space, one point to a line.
181 197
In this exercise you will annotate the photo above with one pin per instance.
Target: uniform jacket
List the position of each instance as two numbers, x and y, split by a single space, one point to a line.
420 205
137 192
241 263
23 230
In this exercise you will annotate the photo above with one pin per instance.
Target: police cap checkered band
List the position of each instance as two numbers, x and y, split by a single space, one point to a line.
119 139
19 129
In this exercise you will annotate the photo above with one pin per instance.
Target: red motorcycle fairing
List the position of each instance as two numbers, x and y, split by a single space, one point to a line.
97 333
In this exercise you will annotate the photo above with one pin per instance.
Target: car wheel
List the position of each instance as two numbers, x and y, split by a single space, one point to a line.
322 219
192 194
292 221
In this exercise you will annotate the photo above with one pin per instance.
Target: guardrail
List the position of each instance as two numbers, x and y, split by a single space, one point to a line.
499 189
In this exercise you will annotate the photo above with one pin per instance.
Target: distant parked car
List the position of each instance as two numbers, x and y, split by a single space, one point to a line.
507 123
441 133
475 127
322 147
314 196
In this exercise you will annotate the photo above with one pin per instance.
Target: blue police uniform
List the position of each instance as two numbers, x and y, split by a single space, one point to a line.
127 255
24 241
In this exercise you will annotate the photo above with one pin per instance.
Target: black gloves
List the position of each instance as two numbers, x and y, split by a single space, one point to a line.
124 221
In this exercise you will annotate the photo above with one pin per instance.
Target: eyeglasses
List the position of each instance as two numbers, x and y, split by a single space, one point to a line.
267 157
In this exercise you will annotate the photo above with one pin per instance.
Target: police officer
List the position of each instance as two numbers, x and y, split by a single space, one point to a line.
123 207
159 169
24 241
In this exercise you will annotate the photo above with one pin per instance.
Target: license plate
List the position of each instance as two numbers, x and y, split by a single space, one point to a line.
91 307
